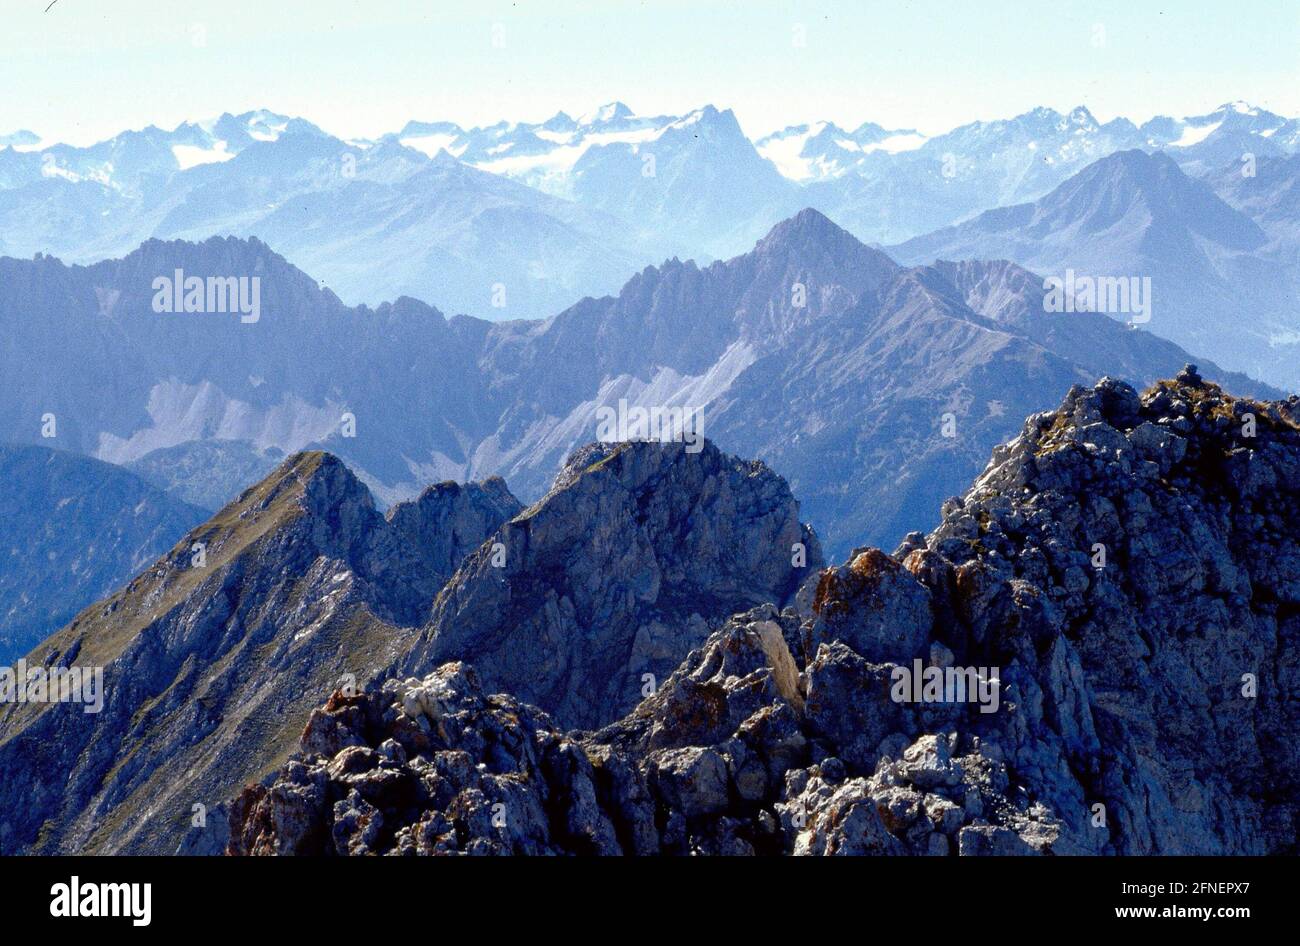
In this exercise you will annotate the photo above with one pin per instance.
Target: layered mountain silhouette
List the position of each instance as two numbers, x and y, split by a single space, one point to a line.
562 208
1267 191
1137 215
375 222
875 389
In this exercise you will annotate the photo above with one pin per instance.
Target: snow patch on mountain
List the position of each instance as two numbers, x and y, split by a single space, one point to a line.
785 150
564 158
189 156
430 145
1193 135
895 144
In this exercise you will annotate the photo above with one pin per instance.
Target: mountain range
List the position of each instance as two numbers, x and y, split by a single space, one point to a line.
361 575
517 219
1137 703
212 666
692 687
875 389
1217 281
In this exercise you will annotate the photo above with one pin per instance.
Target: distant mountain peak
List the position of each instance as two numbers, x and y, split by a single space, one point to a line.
1140 167
1240 107
808 225
610 112
1080 115
20 138
444 159
560 121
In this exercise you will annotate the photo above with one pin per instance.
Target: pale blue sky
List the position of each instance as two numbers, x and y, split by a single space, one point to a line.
89 68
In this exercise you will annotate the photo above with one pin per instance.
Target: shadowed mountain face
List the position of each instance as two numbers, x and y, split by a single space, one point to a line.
1118 593
621 569
212 663
72 530
1217 285
875 390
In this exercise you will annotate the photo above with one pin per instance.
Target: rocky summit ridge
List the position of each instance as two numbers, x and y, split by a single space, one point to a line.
211 654
1118 595
214 656
637 553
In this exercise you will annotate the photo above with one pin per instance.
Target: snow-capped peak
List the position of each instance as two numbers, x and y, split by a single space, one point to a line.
611 112
1240 107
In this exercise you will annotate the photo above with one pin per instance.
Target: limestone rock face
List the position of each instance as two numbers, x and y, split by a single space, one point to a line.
215 655
636 554
1111 614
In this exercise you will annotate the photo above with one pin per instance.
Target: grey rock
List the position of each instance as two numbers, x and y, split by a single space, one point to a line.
626 565
211 669
1121 725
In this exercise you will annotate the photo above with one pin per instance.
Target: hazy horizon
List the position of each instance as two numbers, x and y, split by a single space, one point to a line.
80 73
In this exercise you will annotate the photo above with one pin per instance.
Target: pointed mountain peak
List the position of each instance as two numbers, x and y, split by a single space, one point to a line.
444 160
808 226
1039 114
1135 166
811 249
1119 180
611 112
560 121
871 132
627 539
313 481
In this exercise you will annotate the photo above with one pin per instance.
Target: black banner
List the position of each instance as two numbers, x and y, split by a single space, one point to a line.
145 896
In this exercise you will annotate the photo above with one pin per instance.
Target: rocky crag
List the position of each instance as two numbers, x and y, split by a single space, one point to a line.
1127 570
215 655
636 554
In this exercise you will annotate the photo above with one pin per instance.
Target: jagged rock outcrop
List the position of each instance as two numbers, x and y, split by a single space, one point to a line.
1118 596
214 655
636 554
